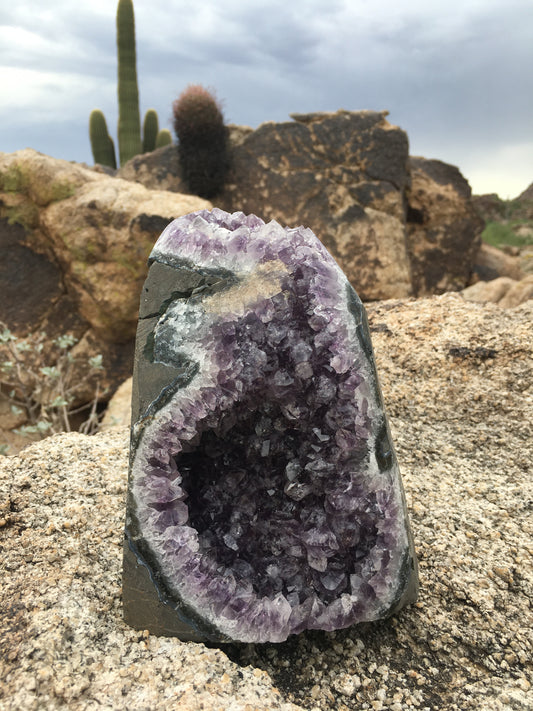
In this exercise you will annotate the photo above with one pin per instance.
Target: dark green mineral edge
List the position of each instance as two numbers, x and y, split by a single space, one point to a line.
152 606
149 601
407 590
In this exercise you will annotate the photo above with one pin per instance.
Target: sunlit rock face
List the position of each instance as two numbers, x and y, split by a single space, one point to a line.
264 494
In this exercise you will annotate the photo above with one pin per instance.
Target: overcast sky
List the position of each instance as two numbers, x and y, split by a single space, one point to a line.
456 75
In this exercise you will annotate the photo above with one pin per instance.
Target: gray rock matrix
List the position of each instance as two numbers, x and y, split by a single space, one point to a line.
456 378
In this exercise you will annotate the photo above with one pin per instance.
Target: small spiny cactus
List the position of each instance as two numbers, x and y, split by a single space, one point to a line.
203 141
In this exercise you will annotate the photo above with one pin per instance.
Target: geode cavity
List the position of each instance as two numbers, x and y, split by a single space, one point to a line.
264 493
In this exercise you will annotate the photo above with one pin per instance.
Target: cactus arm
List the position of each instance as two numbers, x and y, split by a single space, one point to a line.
129 123
164 138
150 130
101 142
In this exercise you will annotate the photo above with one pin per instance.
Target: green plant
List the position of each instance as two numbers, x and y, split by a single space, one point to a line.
41 382
202 141
101 142
164 138
152 137
129 124
499 234
150 130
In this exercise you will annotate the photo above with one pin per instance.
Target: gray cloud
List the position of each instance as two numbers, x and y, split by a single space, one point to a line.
455 75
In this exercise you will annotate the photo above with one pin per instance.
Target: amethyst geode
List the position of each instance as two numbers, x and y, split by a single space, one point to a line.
264 493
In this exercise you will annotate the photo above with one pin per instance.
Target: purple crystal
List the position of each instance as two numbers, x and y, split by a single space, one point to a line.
264 494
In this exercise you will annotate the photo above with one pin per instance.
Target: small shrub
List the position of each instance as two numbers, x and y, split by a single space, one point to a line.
499 234
40 382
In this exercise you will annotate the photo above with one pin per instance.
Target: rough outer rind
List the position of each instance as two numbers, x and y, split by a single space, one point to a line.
254 351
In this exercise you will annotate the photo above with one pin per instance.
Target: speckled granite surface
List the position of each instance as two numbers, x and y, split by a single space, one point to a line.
456 378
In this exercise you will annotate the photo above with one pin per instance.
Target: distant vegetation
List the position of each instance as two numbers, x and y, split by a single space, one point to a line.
503 233
507 222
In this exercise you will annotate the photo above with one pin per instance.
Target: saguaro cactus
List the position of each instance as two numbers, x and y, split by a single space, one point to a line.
129 125
129 122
